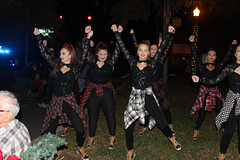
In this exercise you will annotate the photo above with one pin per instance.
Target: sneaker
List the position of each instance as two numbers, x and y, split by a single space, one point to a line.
81 151
59 155
130 154
91 142
64 132
143 130
195 134
175 143
221 156
172 130
42 105
111 142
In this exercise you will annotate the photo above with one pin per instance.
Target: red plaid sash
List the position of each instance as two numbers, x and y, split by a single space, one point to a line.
99 91
210 100
160 91
54 110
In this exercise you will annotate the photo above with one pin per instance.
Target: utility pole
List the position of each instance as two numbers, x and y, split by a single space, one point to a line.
167 13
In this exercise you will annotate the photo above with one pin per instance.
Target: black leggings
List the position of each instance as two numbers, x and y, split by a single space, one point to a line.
153 109
75 120
230 126
202 111
167 115
107 101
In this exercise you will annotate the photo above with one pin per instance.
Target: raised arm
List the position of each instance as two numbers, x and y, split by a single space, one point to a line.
116 51
226 57
164 55
85 51
164 46
194 51
51 59
122 46
80 45
134 38
114 56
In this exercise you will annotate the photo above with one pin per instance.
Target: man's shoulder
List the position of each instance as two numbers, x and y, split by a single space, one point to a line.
17 129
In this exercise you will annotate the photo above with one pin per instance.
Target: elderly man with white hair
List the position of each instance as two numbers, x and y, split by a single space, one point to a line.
14 136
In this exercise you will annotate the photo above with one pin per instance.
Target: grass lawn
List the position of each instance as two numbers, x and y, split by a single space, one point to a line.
154 145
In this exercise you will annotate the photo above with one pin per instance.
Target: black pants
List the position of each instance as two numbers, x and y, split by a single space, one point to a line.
202 111
167 115
153 109
107 101
75 120
230 126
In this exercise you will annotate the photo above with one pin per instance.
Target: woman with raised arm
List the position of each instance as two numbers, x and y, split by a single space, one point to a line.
63 107
159 88
100 91
142 100
230 113
209 96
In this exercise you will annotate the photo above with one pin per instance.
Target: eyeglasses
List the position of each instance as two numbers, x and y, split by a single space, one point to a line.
1 110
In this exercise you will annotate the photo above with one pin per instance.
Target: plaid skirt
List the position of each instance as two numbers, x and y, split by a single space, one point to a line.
136 107
55 110
210 99
160 91
232 100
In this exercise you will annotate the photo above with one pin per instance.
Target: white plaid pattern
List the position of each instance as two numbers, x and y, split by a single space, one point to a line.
14 139
227 107
136 107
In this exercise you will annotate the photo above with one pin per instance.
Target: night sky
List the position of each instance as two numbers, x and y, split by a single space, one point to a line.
214 31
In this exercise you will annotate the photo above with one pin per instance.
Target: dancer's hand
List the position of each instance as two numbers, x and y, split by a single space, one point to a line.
191 38
114 28
88 29
234 42
91 43
44 43
131 31
90 34
36 31
120 28
171 29
195 79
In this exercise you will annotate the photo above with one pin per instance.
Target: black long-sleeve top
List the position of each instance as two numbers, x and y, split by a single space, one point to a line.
233 78
79 51
204 72
158 71
102 75
135 42
142 79
64 83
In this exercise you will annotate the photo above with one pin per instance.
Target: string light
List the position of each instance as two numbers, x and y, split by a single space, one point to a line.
195 34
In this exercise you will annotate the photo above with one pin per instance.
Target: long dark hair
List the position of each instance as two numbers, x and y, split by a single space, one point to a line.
73 60
212 49
100 46
234 58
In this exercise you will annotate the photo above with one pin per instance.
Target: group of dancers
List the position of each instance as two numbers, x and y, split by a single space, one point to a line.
209 97
148 90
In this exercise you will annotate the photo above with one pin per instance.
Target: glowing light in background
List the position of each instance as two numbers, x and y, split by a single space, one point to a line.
4 51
